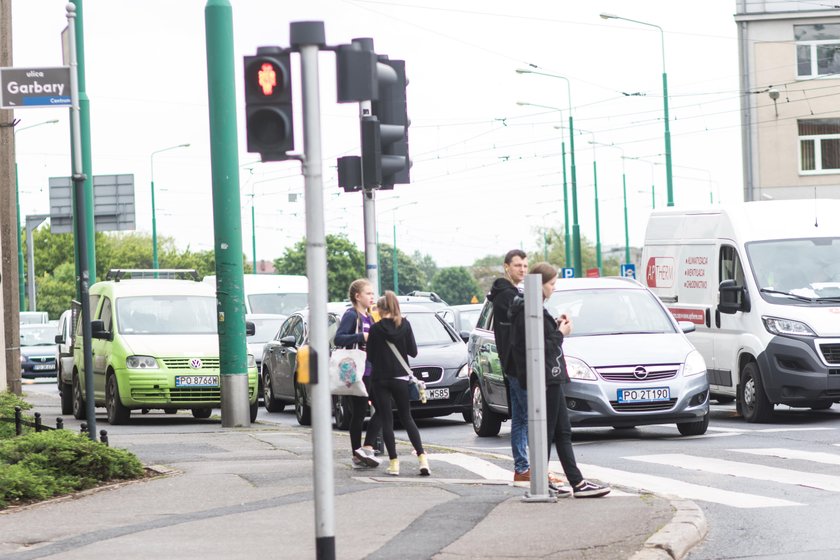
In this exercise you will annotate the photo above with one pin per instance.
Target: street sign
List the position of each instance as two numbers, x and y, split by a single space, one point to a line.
113 203
35 87
567 272
628 270
593 273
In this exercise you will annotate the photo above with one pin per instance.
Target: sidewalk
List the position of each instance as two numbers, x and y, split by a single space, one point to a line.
247 493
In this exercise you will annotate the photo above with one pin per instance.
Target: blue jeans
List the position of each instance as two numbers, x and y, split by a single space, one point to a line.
518 425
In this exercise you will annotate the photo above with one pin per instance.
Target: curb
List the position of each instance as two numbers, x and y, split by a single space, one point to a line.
673 541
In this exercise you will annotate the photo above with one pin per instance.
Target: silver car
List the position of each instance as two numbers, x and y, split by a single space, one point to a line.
629 361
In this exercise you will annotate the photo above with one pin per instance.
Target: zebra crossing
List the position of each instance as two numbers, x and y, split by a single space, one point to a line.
736 466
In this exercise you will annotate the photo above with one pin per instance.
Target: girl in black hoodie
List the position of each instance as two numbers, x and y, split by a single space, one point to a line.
390 342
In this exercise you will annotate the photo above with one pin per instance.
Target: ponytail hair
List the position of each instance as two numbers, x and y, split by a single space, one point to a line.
545 270
390 305
356 288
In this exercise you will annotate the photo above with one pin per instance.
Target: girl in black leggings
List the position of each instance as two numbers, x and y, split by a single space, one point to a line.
390 343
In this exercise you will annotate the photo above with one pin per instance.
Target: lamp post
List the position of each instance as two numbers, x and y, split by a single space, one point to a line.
154 216
394 262
544 231
566 240
17 202
624 195
668 170
575 225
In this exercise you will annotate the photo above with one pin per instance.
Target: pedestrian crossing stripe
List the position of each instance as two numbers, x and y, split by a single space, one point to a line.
745 470
477 465
813 456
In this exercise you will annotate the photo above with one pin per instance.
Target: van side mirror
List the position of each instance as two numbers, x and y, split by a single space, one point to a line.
250 328
687 327
97 330
733 298
59 339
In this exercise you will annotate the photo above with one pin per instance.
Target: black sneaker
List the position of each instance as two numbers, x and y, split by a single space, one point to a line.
558 491
588 489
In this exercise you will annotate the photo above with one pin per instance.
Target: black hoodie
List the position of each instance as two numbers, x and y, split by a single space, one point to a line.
555 362
384 364
501 295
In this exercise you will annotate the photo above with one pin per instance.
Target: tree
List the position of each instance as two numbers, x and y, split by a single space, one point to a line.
426 264
409 275
345 263
455 285
56 289
485 270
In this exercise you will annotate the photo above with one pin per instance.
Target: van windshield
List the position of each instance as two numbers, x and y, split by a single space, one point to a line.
166 314
279 304
807 268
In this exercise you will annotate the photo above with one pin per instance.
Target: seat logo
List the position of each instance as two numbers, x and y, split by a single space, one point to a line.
640 373
195 363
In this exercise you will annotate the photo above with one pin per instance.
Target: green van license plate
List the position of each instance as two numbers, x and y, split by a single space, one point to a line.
196 381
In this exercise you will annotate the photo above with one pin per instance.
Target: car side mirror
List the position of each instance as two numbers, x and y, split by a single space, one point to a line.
687 326
97 330
465 336
250 328
288 341
732 298
59 339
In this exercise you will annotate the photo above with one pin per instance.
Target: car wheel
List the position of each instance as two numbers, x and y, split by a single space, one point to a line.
117 413
341 412
254 410
303 412
271 404
79 412
66 395
486 422
755 406
694 428
468 415
202 413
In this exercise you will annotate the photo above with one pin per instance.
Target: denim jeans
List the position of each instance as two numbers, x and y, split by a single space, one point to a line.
518 425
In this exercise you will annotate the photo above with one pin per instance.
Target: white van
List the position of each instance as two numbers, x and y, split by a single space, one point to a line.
278 294
761 282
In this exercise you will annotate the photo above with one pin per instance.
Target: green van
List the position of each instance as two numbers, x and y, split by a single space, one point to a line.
154 346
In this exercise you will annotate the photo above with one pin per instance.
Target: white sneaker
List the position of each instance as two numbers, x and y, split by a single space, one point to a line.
367 457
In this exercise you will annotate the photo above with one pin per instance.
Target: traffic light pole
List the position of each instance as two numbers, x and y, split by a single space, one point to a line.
306 37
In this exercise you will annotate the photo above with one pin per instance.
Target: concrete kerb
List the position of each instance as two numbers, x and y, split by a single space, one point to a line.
685 530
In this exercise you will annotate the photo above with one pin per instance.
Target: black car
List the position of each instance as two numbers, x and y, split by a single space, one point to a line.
37 351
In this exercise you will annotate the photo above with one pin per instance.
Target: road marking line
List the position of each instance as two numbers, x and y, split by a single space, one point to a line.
816 457
746 470
776 430
482 468
678 488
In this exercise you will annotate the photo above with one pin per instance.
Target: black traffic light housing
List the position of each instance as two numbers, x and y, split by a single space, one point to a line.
269 119
385 157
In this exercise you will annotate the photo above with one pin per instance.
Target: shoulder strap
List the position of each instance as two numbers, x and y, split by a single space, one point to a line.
399 358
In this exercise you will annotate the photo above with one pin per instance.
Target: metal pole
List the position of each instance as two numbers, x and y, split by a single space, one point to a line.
306 38
626 224
21 278
575 225
30 263
254 233
80 194
369 198
669 173
396 269
227 220
154 220
535 360
597 214
566 238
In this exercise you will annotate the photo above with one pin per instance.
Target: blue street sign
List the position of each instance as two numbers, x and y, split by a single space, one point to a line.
567 273
628 270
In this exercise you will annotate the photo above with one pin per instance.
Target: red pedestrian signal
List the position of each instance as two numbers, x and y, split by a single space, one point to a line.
267 78
269 119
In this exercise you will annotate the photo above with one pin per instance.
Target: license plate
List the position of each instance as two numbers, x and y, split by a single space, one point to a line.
43 367
649 394
437 394
196 381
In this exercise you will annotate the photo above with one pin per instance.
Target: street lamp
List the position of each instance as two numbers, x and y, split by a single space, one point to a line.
597 213
154 216
17 202
544 232
624 193
668 171
394 262
566 239
575 225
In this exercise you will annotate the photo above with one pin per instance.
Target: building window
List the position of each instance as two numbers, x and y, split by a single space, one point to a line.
819 146
817 50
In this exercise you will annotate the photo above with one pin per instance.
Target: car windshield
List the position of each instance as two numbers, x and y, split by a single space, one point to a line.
167 314
429 329
41 335
610 311
808 268
278 304
265 328
469 319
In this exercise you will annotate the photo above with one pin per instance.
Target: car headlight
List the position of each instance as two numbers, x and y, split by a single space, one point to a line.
252 361
578 369
22 358
694 364
776 325
464 371
141 362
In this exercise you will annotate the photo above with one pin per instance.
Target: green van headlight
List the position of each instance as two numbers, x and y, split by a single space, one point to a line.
252 362
141 362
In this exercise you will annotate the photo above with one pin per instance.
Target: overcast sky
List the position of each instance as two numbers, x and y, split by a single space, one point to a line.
486 171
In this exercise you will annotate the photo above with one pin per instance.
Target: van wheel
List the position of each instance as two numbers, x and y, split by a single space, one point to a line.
79 412
117 413
755 406
271 403
303 412
694 428
66 395
202 413
486 422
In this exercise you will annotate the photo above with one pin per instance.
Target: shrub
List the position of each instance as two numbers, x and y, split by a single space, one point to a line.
8 402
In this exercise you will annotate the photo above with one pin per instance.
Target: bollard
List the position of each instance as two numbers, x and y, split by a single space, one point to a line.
38 427
83 428
18 420
103 436
59 423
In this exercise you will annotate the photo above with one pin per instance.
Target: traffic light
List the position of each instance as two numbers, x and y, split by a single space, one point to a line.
385 159
268 104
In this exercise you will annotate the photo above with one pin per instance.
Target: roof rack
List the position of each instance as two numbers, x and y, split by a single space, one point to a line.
117 274
431 295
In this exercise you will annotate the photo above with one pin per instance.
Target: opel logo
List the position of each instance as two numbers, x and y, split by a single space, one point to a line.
195 363
640 373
